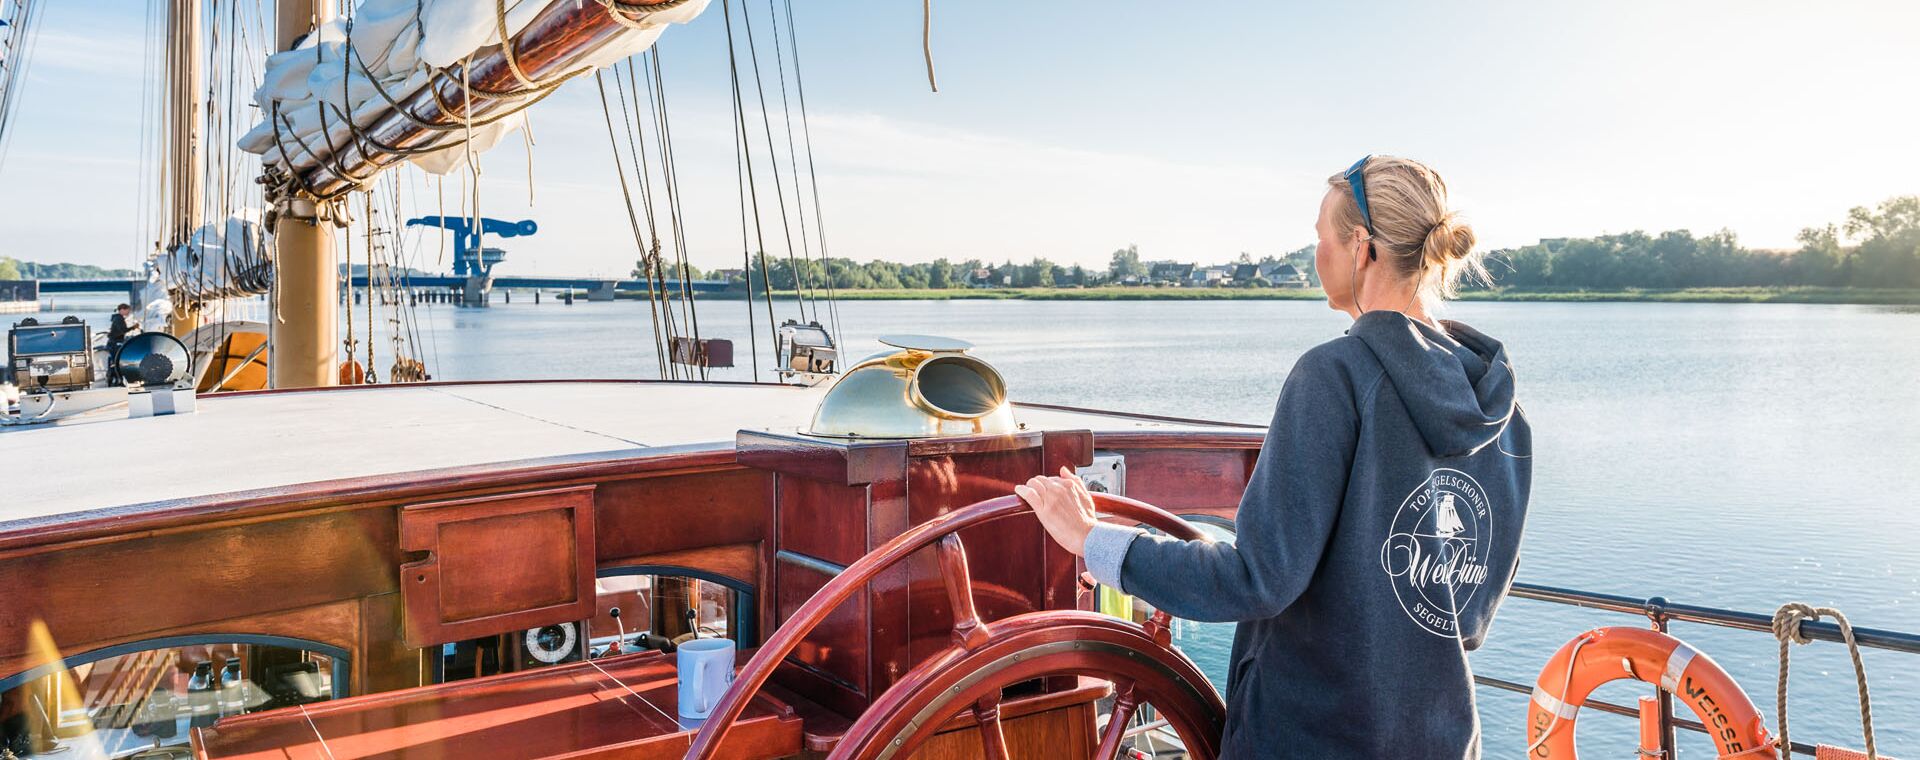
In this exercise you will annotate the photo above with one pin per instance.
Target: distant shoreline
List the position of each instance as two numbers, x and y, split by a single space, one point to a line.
1866 296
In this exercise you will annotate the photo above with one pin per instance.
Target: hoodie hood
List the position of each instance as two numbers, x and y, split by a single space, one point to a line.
1457 386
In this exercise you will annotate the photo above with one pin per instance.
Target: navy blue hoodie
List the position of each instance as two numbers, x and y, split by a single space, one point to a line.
1377 536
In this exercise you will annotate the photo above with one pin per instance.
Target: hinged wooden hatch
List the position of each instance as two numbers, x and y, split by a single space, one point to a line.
497 563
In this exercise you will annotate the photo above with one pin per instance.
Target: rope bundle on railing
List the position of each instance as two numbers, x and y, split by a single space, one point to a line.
1786 628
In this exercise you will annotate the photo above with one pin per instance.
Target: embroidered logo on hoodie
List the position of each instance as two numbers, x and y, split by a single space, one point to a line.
1435 554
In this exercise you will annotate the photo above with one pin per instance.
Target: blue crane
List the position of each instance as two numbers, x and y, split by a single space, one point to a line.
467 257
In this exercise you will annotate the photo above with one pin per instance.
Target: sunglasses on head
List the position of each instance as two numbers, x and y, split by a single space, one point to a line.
1357 180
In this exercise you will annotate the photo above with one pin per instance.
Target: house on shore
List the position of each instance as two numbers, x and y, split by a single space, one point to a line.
1285 275
1211 277
1169 273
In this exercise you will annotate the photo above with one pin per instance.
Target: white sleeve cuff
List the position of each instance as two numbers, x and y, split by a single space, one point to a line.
1106 551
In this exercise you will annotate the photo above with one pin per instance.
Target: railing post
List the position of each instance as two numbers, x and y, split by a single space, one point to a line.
1656 609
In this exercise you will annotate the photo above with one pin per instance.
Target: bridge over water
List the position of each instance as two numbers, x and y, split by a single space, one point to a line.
474 288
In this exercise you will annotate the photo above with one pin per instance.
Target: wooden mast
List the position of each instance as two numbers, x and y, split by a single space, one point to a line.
183 166
305 322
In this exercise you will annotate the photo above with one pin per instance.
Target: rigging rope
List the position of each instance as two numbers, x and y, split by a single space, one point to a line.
513 59
346 288
748 188
1786 628
669 168
793 157
813 178
366 202
16 58
649 263
633 220
802 283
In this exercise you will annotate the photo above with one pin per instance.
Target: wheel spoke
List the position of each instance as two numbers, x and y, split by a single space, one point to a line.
1124 703
993 741
968 630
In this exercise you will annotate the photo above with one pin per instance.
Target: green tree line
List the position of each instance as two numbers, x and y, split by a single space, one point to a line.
1874 248
943 273
15 269
938 274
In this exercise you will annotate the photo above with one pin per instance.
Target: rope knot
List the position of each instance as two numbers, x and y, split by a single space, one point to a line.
1787 620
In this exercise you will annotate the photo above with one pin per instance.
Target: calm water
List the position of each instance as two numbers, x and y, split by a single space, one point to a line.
1730 455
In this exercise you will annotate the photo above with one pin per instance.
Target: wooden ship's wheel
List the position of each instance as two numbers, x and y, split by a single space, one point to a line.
984 658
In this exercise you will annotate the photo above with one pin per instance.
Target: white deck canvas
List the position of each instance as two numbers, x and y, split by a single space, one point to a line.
247 442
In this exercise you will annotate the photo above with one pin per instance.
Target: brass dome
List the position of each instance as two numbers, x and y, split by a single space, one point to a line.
928 387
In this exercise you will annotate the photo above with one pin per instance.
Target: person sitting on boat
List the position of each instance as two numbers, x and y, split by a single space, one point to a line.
1381 526
117 335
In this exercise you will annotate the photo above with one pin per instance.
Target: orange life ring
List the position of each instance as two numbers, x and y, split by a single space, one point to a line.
1610 654
352 374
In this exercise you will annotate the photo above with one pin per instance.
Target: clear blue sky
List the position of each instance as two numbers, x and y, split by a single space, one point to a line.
1197 131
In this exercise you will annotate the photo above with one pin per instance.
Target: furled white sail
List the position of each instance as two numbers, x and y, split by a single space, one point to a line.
231 258
396 45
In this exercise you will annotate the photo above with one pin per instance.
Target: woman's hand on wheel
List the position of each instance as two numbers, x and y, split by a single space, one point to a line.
1064 506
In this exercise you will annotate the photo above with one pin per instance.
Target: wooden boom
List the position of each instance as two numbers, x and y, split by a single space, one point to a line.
549 48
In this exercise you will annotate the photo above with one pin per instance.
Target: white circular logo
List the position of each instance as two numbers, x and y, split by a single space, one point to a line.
1435 555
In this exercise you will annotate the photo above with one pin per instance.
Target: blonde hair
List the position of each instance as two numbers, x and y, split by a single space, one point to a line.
1412 227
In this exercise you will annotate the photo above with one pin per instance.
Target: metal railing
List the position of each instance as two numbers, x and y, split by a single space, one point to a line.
1661 612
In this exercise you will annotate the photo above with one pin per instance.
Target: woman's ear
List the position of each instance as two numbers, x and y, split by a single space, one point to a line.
1361 244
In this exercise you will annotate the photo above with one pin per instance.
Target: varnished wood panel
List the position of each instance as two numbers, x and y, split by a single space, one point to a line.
382 661
497 563
683 511
1183 480
838 648
824 520
848 462
1071 449
1007 557
94 595
737 562
889 595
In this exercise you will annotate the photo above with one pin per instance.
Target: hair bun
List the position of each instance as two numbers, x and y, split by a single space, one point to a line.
1448 240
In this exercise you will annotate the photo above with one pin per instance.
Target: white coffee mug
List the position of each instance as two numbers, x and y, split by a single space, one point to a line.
706 670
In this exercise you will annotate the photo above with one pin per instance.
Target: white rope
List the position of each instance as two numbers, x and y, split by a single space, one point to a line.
1560 706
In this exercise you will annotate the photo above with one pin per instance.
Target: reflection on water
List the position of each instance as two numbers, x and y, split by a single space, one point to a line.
1730 455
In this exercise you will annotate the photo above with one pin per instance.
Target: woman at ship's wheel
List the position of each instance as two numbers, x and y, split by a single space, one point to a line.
1382 523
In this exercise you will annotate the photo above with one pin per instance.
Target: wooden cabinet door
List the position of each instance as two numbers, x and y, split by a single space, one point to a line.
497 563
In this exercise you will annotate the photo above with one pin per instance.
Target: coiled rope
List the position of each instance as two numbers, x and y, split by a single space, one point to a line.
619 10
1786 628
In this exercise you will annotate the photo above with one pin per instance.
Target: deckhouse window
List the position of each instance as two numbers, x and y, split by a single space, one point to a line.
660 604
151 694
